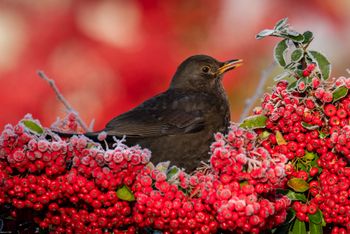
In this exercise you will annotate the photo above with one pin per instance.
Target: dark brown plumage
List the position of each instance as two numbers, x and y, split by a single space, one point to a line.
179 124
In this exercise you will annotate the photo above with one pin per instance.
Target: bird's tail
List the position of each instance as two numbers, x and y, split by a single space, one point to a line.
91 135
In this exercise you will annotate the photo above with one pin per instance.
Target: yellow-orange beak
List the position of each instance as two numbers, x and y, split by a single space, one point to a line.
229 65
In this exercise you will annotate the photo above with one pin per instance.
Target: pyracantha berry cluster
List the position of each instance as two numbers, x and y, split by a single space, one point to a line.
69 184
310 125
236 193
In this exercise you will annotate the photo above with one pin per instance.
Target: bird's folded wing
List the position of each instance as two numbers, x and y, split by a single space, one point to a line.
151 122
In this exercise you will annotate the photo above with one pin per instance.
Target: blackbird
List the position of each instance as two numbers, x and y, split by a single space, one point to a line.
178 125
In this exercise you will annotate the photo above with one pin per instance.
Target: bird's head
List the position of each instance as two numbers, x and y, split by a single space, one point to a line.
201 72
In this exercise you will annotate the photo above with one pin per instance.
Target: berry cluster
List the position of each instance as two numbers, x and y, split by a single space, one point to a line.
70 185
310 125
233 194
74 185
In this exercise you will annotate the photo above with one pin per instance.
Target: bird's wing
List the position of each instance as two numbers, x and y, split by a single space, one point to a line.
156 118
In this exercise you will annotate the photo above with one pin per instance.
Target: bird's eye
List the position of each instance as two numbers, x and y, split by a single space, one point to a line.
205 69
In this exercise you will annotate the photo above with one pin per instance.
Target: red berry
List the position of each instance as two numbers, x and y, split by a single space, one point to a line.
341 113
313 171
330 110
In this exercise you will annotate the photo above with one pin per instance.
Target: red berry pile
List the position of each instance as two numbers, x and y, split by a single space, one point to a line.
311 127
234 193
74 185
69 184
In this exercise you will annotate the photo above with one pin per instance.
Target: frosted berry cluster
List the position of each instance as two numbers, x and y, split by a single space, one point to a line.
310 125
233 193
69 184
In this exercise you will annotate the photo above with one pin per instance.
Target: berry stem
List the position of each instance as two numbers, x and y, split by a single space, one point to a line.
62 99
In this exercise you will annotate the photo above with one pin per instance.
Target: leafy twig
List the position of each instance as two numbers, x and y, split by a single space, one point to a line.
258 92
63 100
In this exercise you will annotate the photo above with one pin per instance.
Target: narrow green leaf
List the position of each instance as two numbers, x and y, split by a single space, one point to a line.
163 166
316 218
280 139
292 85
281 23
339 93
323 134
298 185
293 35
299 72
290 215
264 135
297 55
296 196
310 155
322 63
264 33
172 172
299 227
323 221
301 166
280 51
253 122
315 228
125 194
32 126
308 36
309 126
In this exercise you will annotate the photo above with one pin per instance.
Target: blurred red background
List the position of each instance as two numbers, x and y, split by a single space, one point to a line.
108 56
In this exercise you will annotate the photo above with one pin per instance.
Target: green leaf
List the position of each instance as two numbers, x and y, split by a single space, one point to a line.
125 194
301 166
322 63
296 196
323 221
280 139
254 122
310 155
316 218
323 134
163 166
172 172
299 72
264 33
298 185
280 51
32 126
293 35
315 228
299 227
281 23
297 55
308 36
309 126
290 215
339 93
264 135
292 85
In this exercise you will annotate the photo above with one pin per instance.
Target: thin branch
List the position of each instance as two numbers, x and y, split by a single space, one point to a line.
62 99
258 92
348 70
